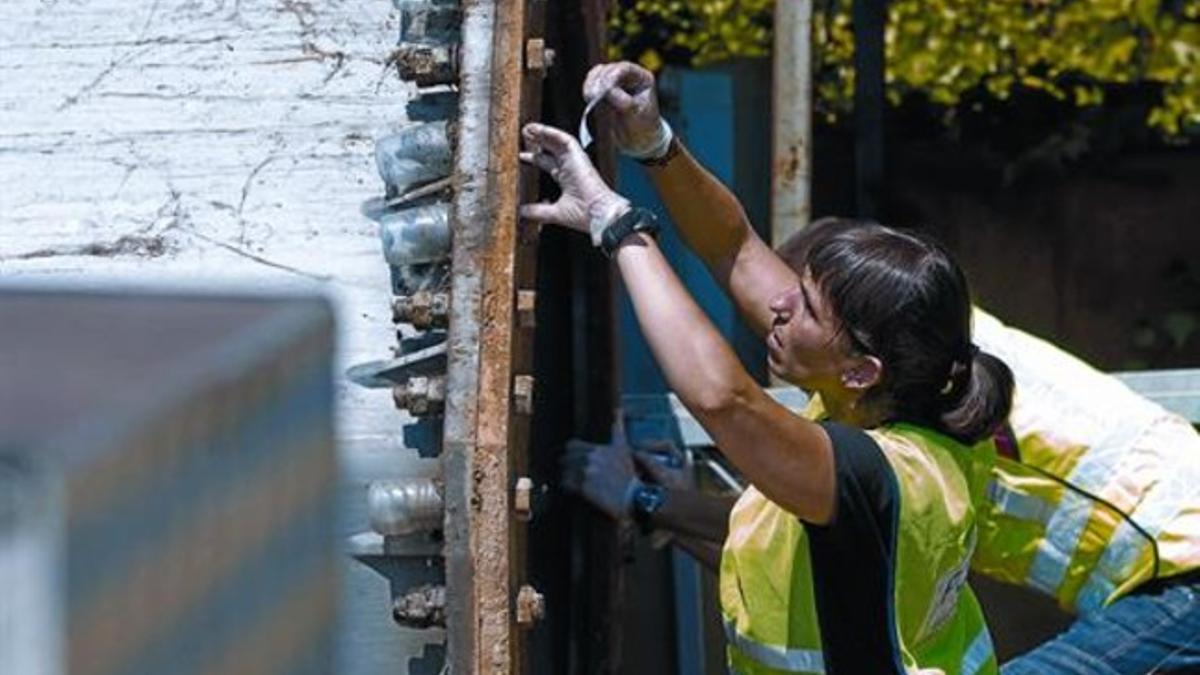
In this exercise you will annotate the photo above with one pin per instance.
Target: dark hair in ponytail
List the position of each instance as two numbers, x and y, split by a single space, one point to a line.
901 298
984 402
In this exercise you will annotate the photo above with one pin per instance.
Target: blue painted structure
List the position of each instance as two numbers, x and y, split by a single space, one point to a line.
723 116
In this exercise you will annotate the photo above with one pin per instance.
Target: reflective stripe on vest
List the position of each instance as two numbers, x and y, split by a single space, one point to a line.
1127 543
978 653
1019 505
1049 566
1070 518
1065 523
812 661
1094 455
776 656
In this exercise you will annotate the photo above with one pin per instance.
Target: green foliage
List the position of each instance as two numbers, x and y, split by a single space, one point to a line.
949 51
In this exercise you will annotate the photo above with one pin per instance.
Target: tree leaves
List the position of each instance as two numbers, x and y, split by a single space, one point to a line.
948 50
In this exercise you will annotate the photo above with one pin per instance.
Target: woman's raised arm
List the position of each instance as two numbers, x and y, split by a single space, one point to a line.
707 215
788 458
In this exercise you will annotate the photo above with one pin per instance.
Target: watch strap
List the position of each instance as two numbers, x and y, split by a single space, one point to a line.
634 220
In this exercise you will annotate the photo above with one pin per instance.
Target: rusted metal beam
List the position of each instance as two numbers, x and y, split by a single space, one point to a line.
462 375
486 435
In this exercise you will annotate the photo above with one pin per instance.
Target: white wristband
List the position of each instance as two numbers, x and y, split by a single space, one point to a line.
656 149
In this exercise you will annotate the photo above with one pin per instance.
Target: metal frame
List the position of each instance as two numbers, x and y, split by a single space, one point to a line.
658 416
486 429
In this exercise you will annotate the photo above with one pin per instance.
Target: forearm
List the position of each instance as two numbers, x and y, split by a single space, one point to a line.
788 458
706 214
711 221
695 514
706 553
678 332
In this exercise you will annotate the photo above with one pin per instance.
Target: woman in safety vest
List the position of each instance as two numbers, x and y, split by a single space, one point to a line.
849 554
1094 500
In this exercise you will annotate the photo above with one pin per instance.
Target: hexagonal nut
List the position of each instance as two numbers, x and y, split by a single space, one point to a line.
423 309
526 309
523 499
427 65
439 310
523 394
421 395
421 607
402 309
537 57
531 606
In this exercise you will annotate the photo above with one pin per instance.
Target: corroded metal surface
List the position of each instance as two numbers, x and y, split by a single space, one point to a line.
531 606
421 395
422 607
423 309
791 161
427 65
485 445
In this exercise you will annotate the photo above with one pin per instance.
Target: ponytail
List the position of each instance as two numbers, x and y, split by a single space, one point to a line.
982 401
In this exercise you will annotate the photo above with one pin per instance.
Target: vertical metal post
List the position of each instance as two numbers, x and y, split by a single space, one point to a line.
791 166
486 434
870 17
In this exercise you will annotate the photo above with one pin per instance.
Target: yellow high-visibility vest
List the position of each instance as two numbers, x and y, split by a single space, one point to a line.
1107 493
766 579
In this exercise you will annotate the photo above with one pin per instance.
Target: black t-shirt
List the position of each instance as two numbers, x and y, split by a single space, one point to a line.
854 559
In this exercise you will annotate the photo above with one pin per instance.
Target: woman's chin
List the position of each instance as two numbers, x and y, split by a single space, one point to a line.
779 371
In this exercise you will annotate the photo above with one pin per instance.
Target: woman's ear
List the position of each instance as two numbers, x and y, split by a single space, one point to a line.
865 373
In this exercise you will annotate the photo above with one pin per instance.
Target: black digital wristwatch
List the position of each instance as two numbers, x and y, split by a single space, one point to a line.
634 220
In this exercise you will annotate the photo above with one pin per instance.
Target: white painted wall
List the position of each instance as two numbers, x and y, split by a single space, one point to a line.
215 142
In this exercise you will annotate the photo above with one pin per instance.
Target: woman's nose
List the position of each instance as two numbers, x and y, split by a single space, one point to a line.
783 303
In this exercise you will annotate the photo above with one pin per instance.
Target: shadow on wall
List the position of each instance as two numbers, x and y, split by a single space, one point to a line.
1101 259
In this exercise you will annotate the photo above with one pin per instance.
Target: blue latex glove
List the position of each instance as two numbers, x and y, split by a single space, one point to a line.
603 475
664 463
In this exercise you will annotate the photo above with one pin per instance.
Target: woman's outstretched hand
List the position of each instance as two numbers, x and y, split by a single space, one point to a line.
586 204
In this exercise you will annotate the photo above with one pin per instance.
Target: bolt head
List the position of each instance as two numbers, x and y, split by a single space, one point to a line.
537 58
523 499
523 394
531 606
526 309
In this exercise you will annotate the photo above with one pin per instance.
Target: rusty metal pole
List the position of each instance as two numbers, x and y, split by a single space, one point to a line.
791 165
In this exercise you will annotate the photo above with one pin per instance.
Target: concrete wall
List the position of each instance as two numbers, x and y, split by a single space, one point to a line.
215 142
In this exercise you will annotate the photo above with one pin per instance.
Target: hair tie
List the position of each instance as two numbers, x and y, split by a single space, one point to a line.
958 367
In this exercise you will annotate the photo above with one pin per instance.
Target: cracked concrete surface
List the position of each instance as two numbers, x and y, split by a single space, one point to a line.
221 143
235 135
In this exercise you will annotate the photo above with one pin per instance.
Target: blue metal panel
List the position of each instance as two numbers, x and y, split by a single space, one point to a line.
705 108
702 112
